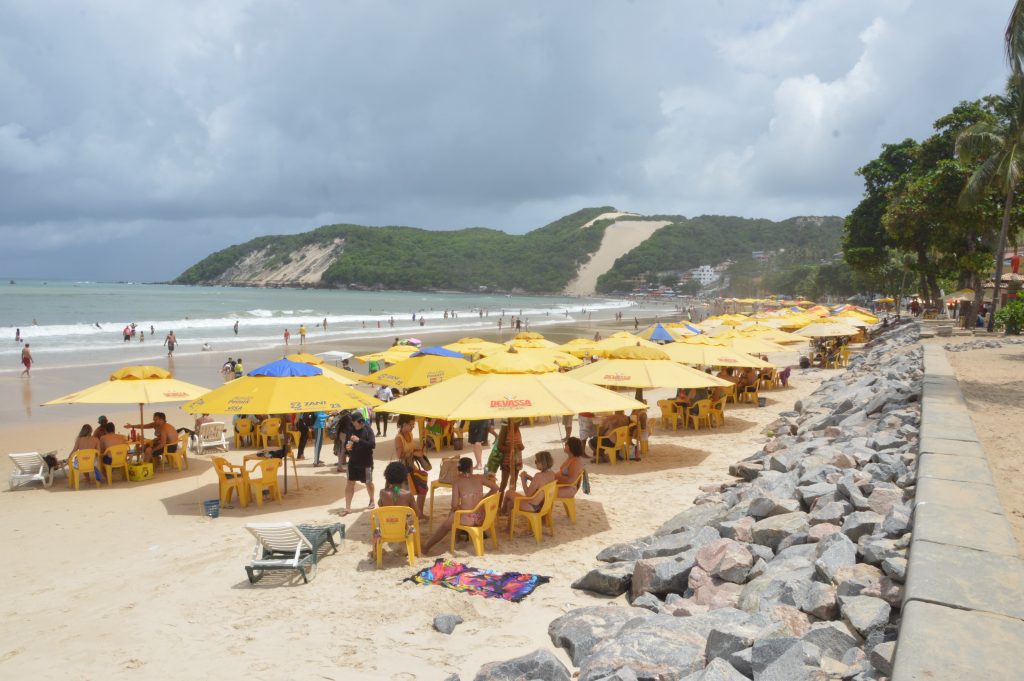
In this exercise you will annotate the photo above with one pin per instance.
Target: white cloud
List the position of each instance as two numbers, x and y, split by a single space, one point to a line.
129 121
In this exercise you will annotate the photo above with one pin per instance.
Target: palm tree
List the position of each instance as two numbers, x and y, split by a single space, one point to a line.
997 145
1015 38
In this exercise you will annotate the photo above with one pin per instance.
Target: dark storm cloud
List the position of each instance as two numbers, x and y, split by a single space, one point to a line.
162 131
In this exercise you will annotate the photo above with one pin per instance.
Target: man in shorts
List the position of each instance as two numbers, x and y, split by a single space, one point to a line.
165 437
359 445
478 431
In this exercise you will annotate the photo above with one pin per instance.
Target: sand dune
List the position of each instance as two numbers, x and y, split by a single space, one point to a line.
619 238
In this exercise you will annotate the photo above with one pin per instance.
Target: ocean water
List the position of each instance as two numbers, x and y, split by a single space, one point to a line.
81 323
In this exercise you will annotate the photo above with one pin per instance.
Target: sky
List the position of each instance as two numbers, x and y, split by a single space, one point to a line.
138 136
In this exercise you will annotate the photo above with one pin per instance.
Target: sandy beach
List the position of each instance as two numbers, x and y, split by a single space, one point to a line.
132 581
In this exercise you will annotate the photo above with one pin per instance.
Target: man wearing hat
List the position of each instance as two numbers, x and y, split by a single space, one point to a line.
100 430
360 446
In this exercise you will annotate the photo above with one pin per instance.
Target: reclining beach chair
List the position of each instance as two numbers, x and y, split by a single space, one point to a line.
212 435
284 546
30 467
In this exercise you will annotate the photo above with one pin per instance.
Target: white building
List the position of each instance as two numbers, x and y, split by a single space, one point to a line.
705 274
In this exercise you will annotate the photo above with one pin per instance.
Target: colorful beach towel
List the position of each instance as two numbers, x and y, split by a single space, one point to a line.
511 586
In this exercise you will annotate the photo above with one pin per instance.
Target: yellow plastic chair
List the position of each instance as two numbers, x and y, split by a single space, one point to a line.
569 503
620 442
82 462
489 506
270 429
543 515
179 459
243 432
750 394
392 525
266 481
231 480
436 439
118 456
669 414
717 412
844 356
732 394
699 413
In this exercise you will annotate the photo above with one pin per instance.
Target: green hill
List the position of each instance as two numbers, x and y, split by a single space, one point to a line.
711 239
542 261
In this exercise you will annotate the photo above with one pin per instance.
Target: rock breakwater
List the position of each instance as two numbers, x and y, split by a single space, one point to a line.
793 572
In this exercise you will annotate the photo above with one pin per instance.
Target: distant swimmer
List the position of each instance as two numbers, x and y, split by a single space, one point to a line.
98 325
142 336
35 323
26 359
236 327
152 332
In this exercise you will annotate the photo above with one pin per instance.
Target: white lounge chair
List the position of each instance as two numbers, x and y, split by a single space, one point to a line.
284 546
30 467
212 435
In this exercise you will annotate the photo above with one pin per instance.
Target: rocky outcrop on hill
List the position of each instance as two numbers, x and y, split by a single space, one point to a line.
795 571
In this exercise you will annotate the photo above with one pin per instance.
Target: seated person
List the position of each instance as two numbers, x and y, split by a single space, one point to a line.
85 439
532 484
100 430
571 468
726 374
165 437
467 491
748 379
111 438
607 427
684 398
395 492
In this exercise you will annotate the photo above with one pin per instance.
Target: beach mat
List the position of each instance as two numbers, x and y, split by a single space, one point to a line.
511 586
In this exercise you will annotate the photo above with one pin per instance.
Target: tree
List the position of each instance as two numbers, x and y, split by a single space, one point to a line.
996 144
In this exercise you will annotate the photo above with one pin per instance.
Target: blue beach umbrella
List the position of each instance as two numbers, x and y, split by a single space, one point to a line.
285 367
660 333
439 351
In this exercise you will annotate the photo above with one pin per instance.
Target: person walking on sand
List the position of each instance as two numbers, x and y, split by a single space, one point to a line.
302 334
359 446
287 335
170 341
26 359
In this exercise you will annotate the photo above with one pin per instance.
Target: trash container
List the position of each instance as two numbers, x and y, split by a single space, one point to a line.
761 401
212 508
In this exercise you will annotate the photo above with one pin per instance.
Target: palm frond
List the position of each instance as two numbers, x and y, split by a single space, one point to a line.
979 141
979 182
1015 37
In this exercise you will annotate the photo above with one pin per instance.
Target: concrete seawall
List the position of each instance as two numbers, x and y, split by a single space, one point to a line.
963 606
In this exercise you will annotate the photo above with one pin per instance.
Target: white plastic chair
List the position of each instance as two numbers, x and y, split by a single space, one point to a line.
211 435
30 467
284 546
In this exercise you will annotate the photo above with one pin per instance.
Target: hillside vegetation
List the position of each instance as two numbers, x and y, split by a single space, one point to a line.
542 261
711 239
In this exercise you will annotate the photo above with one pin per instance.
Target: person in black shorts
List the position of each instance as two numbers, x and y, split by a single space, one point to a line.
478 431
359 446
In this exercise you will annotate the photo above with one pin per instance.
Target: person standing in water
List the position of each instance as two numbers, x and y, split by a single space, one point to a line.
17 335
302 334
236 327
26 359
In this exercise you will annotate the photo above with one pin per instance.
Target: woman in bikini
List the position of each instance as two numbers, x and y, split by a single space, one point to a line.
467 491
532 484
393 494
413 459
568 474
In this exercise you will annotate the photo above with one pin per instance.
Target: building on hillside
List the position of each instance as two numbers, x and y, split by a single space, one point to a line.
705 274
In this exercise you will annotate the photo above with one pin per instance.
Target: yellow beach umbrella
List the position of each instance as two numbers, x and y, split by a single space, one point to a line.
639 368
770 333
530 343
393 355
579 347
338 374
825 329
281 387
862 318
139 385
887 299
621 340
541 361
709 355
499 396
420 371
475 346
753 345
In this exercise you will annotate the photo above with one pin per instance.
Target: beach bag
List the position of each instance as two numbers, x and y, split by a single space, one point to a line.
422 462
449 469
585 485
494 459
